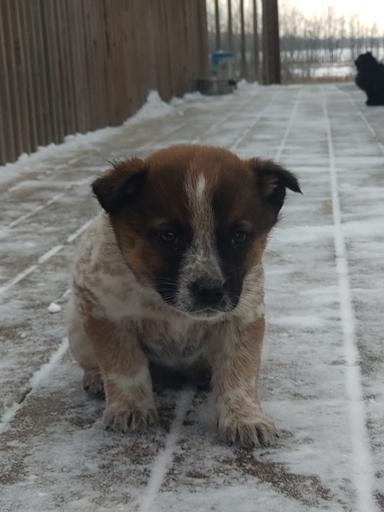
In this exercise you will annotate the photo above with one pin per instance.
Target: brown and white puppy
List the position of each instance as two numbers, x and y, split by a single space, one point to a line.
171 272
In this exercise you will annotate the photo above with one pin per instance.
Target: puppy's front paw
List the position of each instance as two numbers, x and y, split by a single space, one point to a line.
247 431
126 419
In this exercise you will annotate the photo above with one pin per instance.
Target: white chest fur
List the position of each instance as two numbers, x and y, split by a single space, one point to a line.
176 342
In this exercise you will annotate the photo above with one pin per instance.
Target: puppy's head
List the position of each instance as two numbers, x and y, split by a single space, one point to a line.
365 62
192 221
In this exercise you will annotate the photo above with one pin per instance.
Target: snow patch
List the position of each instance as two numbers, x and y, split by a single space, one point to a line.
43 372
303 322
163 460
153 108
35 381
189 97
54 308
243 85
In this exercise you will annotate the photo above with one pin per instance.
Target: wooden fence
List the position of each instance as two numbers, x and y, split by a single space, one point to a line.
70 66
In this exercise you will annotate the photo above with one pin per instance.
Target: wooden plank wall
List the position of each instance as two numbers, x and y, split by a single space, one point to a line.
69 66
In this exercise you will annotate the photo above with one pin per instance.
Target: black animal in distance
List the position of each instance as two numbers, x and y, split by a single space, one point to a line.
370 78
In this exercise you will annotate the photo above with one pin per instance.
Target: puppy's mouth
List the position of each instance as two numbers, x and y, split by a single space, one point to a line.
205 314
200 312
201 304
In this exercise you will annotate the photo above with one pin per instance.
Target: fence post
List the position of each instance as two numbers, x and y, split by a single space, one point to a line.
230 30
255 40
271 43
217 25
242 48
77 65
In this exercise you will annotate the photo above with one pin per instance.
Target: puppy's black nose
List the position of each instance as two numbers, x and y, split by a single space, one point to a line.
207 293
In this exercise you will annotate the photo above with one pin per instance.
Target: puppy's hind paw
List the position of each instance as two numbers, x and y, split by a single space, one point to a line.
93 382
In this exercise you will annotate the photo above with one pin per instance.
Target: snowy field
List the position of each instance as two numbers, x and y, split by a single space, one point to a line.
323 366
321 71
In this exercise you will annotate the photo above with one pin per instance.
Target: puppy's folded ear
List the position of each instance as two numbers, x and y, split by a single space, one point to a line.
273 180
120 185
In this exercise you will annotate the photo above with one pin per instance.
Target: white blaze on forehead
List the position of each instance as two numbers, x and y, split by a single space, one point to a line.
198 195
201 259
199 199
200 187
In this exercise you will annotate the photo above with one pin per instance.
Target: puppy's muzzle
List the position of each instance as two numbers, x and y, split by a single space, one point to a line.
209 295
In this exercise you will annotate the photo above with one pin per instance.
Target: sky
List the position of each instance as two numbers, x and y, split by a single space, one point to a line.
369 11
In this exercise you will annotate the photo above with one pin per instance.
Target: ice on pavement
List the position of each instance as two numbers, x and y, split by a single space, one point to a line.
322 377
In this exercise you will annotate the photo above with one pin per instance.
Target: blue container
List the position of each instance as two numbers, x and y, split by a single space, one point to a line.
218 58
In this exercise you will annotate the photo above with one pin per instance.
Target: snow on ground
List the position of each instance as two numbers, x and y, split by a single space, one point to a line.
153 108
323 360
320 71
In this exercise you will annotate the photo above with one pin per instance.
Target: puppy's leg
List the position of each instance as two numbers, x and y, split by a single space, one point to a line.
82 351
236 363
127 381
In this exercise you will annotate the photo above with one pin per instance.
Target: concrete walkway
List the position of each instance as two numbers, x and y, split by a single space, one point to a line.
323 371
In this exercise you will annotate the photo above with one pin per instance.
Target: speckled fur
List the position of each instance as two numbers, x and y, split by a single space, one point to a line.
118 322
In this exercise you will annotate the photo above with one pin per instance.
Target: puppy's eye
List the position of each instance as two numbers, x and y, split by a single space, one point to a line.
239 237
168 237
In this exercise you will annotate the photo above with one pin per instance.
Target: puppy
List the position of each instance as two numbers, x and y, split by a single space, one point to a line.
370 78
170 272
